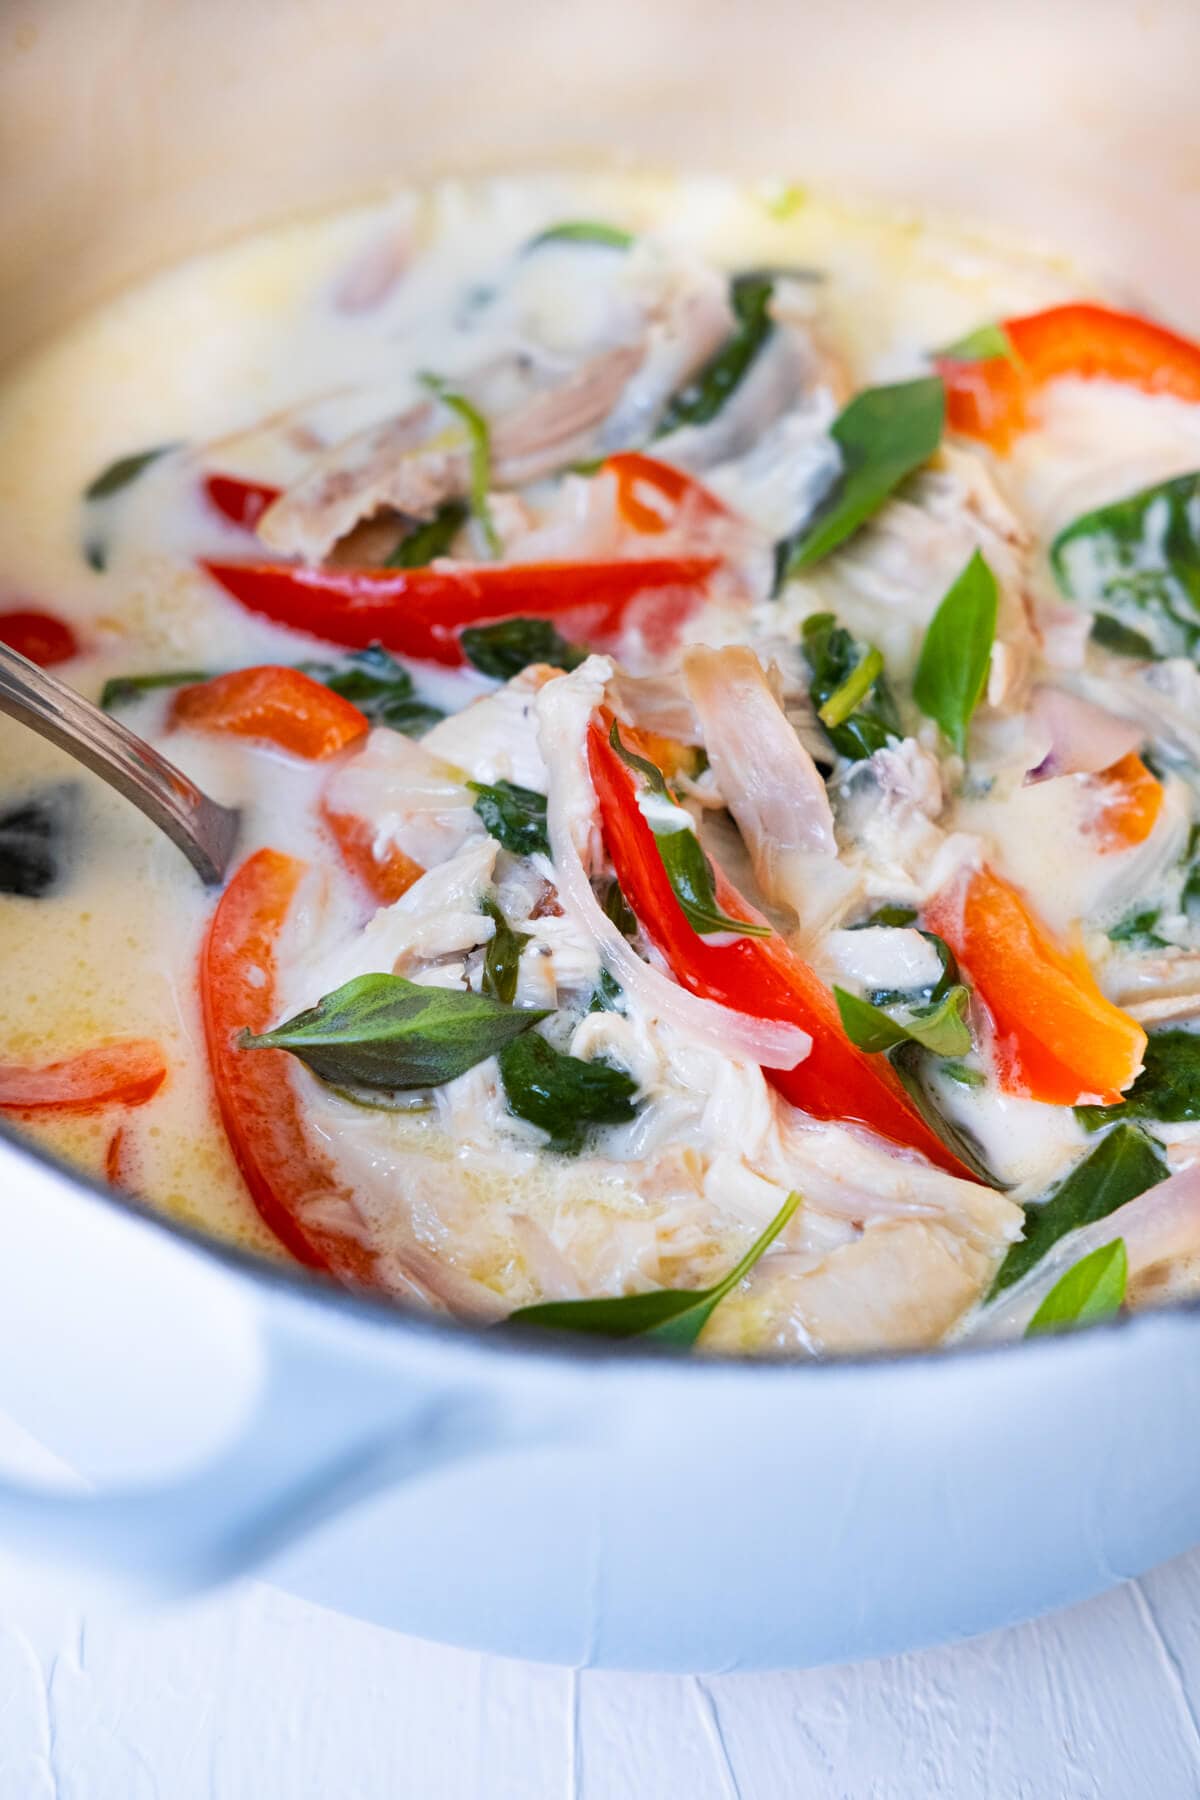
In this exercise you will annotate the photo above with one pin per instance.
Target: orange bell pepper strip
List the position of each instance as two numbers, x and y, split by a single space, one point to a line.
1057 1038
760 976
275 705
40 636
635 474
1132 800
386 876
992 398
125 1074
286 1174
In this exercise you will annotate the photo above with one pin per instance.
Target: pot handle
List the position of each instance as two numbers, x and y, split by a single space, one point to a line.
117 1336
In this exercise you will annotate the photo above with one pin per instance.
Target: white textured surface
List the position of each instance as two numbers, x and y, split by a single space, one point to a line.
252 1695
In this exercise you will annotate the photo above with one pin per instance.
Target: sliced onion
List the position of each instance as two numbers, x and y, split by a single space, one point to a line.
1082 737
564 708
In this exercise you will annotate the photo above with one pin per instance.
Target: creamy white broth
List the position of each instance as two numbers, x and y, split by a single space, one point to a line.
245 360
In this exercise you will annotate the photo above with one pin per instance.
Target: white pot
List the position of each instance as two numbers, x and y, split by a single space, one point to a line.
598 1505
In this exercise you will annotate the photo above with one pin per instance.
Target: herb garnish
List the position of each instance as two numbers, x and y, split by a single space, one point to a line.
502 650
849 689
708 390
1091 1291
123 690
915 1068
417 549
564 1096
583 231
940 1028
501 959
981 345
125 469
1139 559
515 816
952 668
380 687
1167 1090
479 441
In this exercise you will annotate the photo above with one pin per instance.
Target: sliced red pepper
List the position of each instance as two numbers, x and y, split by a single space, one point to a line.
241 502
288 1178
385 876
275 705
125 1074
992 398
679 493
40 636
420 612
760 976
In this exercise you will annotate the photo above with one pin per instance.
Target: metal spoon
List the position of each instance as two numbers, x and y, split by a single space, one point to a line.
203 830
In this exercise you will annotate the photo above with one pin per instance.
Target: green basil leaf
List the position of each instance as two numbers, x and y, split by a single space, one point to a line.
916 1069
479 440
1121 640
1092 1290
501 959
708 390
885 434
963 1075
122 690
1137 929
952 668
1167 1090
119 474
670 1315
583 231
607 994
514 816
502 650
981 345
38 841
886 915
380 1031
940 1029
563 1095
1122 1166
380 687
617 908
417 549
1139 559
837 664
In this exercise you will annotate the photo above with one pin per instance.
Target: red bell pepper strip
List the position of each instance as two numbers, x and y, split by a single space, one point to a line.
41 637
275 705
286 1174
678 492
756 975
420 612
126 1074
991 399
241 502
1058 1039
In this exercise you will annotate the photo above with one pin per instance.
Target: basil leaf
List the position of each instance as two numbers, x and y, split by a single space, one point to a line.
1091 1291
502 650
381 1031
37 840
1121 640
1168 1088
981 345
617 908
940 1029
502 957
887 915
1122 1166
380 687
837 663
684 862
965 1076
122 690
119 474
1137 929
418 548
563 1095
914 1067
479 441
583 231
952 668
607 994
1139 559
514 816
709 389
670 1315
884 435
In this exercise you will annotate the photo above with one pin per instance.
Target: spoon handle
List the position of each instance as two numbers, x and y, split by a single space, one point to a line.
203 830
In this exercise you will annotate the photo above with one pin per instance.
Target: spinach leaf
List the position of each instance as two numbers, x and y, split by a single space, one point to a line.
434 538
981 345
617 908
1091 1291
941 1029
381 1031
37 840
607 994
952 668
583 231
963 1074
709 389
836 662
479 442
887 915
915 1066
380 687
119 474
514 816
122 690
1122 1166
682 855
1139 559
504 649
670 1315
502 957
1120 639
1168 1088
1137 929
563 1095
884 435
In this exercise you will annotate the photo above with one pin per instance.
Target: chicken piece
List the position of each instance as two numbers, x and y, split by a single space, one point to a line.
496 737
